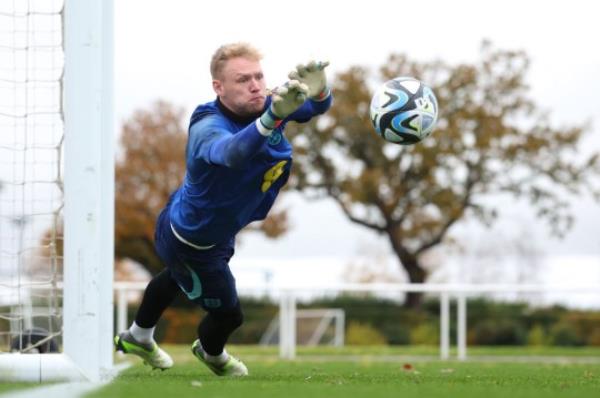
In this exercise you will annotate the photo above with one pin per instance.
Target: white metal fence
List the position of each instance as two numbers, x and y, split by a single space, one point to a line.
288 296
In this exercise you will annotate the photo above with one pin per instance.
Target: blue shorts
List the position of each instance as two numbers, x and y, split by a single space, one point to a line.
203 275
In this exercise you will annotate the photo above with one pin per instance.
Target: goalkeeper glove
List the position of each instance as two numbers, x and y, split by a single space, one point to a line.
313 75
284 101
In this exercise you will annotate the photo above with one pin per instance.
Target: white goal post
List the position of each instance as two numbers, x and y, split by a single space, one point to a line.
88 166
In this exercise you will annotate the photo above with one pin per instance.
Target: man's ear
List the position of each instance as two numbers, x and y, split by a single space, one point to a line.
217 86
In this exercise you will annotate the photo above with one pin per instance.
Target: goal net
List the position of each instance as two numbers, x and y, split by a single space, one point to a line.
55 175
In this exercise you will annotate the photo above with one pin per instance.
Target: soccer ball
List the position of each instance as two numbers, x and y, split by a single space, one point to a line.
404 110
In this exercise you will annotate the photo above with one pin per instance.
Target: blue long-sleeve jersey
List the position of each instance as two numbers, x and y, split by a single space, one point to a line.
233 172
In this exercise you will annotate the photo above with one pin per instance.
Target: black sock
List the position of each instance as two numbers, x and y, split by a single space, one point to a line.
158 295
215 328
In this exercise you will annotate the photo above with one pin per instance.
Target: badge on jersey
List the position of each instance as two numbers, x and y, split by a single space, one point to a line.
272 175
275 138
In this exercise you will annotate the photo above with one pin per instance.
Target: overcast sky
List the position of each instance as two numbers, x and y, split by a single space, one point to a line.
163 50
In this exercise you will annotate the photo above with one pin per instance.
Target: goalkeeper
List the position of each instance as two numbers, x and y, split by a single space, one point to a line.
237 160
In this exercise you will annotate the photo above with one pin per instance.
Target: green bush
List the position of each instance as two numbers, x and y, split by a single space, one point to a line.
425 334
594 338
499 332
537 336
544 317
565 334
585 325
363 334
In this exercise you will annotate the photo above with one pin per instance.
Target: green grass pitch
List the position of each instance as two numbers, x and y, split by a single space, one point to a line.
353 372
358 373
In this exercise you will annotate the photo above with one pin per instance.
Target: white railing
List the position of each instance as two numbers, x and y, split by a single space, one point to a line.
288 297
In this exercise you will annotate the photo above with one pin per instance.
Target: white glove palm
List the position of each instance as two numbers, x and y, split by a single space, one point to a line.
287 98
313 75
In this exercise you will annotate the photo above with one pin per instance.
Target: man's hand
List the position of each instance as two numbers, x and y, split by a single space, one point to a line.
313 75
287 98
284 101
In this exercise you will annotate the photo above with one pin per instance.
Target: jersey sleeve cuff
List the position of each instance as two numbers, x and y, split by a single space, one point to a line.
323 95
267 123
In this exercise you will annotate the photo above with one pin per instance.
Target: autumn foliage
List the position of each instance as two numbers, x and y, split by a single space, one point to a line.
149 168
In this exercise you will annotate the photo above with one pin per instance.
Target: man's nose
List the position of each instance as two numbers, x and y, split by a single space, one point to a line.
254 85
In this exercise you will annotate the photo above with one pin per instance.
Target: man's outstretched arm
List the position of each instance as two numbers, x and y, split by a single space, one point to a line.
218 146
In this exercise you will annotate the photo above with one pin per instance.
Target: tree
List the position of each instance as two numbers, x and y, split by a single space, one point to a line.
490 139
150 167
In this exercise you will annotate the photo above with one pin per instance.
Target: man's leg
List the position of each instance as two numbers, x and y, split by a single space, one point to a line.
159 294
224 315
213 332
139 339
216 327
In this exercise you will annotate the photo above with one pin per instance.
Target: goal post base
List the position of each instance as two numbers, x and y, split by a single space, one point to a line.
39 368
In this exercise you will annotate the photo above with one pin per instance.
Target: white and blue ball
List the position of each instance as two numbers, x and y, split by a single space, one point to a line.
404 110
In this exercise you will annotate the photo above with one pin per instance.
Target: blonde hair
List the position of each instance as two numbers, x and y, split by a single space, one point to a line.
229 51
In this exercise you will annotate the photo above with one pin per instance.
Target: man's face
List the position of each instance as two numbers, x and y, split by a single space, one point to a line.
241 86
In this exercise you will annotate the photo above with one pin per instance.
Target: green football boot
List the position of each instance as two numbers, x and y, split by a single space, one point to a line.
150 353
232 367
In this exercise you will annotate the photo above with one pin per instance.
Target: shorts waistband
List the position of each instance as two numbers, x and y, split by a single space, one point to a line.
190 244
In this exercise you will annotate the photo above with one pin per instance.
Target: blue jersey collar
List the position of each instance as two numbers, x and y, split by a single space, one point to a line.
229 114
